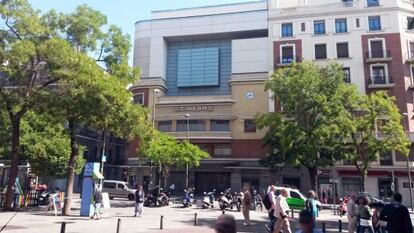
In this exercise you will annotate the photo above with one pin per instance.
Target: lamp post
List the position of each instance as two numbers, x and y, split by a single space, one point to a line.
187 116
155 93
408 163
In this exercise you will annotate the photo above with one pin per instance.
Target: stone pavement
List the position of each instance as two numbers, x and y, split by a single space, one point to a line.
176 220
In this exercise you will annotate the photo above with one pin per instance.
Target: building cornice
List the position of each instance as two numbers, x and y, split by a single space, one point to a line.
249 78
179 100
153 82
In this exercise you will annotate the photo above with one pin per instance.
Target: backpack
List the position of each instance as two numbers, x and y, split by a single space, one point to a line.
309 205
266 202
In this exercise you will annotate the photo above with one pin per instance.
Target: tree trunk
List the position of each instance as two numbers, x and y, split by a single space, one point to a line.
15 145
363 176
74 150
312 176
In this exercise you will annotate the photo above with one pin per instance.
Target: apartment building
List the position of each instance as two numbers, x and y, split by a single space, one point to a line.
202 76
374 41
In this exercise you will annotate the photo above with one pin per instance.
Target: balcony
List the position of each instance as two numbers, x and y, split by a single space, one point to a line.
287 60
378 56
380 82
202 135
410 57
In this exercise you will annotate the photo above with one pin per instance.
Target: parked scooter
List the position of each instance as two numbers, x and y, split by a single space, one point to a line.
208 200
188 199
163 198
257 200
43 197
225 200
237 201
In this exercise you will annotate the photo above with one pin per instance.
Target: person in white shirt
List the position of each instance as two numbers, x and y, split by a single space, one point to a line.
272 197
281 209
351 213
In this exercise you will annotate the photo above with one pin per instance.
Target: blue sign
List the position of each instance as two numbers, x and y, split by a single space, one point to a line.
88 171
103 158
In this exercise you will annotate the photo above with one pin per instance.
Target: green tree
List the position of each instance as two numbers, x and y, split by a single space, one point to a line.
373 126
167 151
306 132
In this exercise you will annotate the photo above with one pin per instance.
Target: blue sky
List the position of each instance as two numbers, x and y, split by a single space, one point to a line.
124 13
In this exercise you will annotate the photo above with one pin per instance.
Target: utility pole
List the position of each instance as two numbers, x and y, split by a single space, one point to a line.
154 100
187 116
408 162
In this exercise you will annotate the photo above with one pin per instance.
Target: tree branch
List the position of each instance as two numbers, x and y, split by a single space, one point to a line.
12 29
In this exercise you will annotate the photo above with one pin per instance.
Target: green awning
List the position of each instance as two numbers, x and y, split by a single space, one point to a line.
97 175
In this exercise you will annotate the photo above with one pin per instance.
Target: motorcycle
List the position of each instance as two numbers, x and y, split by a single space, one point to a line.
163 199
225 201
237 201
208 200
43 197
188 199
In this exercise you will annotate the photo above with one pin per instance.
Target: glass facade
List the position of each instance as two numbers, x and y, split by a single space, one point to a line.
220 125
193 125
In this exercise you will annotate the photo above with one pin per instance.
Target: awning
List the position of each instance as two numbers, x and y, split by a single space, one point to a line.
97 175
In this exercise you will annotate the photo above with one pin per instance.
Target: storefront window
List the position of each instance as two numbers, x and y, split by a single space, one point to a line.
351 185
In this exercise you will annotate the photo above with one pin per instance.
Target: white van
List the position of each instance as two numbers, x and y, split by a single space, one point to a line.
118 189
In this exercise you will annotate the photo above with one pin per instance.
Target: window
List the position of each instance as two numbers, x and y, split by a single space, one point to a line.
139 98
412 74
372 3
341 26
249 126
377 49
287 29
165 126
347 74
198 67
351 185
295 195
374 23
303 27
410 23
386 159
193 125
222 150
378 73
342 50
406 185
357 22
348 3
287 54
320 51
220 125
319 27
109 185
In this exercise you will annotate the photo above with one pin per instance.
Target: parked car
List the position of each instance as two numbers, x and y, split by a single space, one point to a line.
296 200
118 189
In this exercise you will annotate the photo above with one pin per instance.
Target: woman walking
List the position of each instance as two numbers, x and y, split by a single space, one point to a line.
364 216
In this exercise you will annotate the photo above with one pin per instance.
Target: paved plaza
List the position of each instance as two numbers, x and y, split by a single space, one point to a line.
176 220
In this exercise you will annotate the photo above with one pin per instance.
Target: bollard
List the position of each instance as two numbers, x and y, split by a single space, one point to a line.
161 222
293 213
118 226
223 212
195 219
63 227
323 227
340 225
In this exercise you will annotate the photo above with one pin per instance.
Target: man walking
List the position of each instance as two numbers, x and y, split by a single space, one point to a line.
98 202
352 213
281 209
399 219
270 195
247 201
310 204
139 201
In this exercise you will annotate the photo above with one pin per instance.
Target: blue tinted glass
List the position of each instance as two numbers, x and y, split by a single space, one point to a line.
372 2
340 26
287 29
319 27
374 23
198 67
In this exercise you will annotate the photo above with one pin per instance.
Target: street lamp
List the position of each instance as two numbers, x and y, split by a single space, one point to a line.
155 93
187 116
408 163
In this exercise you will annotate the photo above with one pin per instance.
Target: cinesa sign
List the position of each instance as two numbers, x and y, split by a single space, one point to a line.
195 108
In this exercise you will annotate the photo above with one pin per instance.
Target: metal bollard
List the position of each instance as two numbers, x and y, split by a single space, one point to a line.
323 227
340 225
223 212
195 219
63 227
118 226
293 213
162 222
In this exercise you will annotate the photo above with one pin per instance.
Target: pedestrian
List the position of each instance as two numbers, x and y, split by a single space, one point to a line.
139 201
307 222
270 203
172 189
247 202
310 204
399 219
352 213
281 213
225 224
97 198
324 197
364 216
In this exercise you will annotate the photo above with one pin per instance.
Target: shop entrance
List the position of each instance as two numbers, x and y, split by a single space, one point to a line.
207 181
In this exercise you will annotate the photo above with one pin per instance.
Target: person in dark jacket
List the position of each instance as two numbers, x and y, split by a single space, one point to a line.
225 224
399 220
139 201
97 198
